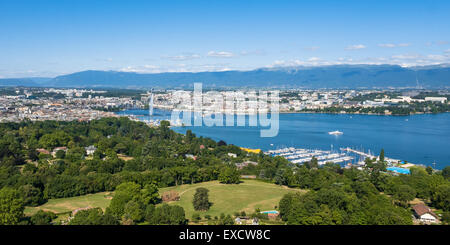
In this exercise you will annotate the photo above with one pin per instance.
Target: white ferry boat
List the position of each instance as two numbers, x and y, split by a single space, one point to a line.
335 132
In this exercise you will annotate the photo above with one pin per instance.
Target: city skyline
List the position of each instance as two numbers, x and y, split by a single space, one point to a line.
50 38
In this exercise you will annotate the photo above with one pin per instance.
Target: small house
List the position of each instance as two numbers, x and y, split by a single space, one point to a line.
191 156
43 151
255 221
245 164
74 212
424 214
238 221
233 155
55 150
90 149
248 176
272 214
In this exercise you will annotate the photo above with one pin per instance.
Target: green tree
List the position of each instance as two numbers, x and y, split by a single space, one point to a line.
201 199
446 218
93 216
150 194
229 175
404 193
60 154
42 218
11 206
168 215
31 195
441 197
227 220
446 172
125 192
313 163
134 210
381 155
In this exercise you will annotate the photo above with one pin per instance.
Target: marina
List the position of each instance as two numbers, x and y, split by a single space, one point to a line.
346 157
300 156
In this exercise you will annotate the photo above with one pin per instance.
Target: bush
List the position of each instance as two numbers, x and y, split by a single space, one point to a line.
196 217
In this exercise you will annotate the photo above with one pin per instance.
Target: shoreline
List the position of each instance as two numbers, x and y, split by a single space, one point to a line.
417 161
370 114
314 112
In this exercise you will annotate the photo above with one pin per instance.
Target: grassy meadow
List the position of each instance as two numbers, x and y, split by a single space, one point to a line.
228 199
66 205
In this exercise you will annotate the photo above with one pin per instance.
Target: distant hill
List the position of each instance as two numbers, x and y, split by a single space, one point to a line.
28 82
338 76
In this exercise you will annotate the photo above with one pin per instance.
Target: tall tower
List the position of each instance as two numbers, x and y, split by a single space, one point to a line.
150 105
417 82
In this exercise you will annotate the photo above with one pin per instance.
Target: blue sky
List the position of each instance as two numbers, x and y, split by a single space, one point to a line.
49 38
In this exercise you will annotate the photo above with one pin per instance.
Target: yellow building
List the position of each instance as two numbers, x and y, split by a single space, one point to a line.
257 151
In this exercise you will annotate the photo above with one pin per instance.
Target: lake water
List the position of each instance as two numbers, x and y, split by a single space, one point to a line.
421 139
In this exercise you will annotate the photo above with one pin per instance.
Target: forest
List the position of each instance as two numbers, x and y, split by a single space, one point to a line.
44 160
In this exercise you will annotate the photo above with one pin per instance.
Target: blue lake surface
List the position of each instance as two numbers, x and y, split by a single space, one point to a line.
420 139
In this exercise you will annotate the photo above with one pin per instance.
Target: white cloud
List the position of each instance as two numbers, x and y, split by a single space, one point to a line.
254 52
387 45
405 60
417 59
404 44
405 56
104 59
438 43
436 57
186 56
447 51
220 54
179 68
393 45
313 59
313 48
142 69
355 47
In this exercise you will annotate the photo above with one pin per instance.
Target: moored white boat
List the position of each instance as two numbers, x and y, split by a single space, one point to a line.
335 132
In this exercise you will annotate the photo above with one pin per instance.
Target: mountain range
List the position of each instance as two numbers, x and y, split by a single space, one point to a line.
335 76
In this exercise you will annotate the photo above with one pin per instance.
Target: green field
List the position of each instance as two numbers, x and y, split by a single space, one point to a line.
65 205
228 199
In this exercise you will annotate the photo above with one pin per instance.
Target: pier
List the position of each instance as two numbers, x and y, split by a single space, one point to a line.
300 156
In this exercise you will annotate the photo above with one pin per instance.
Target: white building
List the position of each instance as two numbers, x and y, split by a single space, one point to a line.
436 99
90 149
233 155
424 214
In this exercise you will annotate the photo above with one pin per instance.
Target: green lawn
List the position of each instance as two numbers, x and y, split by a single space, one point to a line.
228 199
64 205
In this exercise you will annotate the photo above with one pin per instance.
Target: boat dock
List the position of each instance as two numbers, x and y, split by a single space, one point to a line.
346 155
348 149
361 153
300 156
